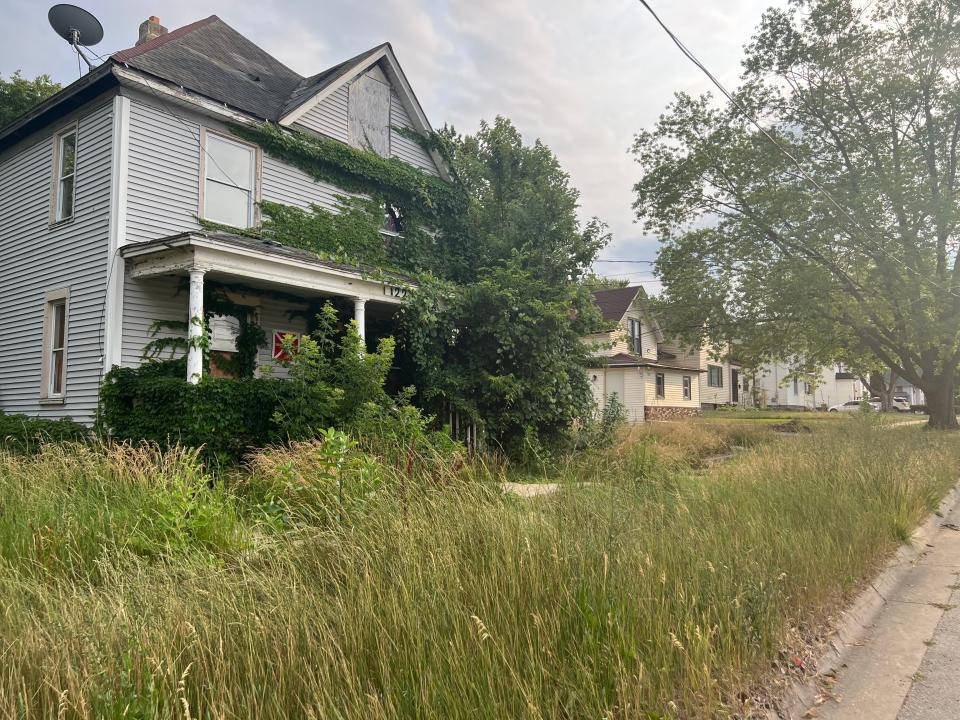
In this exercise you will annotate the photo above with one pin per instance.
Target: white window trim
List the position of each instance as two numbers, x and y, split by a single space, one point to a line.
50 299
74 129
687 384
257 173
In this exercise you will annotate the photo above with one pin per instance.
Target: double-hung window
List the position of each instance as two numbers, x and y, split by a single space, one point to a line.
715 376
687 388
633 326
65 174
229 181
661 386
54 376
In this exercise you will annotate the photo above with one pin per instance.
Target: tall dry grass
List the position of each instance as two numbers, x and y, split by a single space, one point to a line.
647 593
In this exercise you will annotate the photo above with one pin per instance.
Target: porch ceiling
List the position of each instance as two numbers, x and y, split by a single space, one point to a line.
260 263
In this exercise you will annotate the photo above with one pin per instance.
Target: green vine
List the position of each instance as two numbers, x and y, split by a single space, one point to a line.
360 171
250 337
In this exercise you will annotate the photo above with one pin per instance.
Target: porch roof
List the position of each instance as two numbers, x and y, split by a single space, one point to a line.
621 360
262 262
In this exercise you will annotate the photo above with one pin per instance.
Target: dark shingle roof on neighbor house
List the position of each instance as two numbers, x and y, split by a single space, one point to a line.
614 303
212 59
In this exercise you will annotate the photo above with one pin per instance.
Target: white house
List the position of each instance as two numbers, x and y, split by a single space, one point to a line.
636 364
775 386
102 185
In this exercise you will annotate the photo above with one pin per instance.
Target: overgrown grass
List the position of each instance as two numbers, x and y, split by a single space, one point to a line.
129 588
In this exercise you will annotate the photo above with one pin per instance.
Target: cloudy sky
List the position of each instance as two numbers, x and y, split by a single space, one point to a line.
582 76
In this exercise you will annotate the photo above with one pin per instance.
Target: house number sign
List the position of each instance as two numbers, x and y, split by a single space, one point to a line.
394 291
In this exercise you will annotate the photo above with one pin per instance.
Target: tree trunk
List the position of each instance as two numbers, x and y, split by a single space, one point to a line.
939 394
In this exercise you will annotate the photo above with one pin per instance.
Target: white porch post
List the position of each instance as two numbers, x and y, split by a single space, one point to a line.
195 329
360 315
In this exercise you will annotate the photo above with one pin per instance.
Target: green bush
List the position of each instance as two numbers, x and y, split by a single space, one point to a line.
227 417
22 433
331 378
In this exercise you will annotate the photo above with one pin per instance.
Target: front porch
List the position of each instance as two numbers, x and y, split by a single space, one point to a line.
252 268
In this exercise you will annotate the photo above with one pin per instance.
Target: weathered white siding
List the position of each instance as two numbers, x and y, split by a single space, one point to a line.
163 186
605 381
146 301
403 147
37 258
329 117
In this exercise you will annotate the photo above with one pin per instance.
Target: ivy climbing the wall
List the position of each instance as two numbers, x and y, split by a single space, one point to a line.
216 301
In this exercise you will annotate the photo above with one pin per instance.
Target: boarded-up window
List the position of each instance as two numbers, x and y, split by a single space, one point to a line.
369 111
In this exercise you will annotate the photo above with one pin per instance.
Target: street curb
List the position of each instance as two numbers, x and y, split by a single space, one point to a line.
857 619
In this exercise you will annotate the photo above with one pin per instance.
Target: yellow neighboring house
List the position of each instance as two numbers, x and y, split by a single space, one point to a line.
650 377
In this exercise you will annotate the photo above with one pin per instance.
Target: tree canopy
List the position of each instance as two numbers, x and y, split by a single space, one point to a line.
18 95
832 232
498 334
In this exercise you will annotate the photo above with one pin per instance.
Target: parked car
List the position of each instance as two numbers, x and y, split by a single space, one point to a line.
901 404
854 405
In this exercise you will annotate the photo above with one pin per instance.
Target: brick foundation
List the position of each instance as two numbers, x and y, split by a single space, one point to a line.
657 412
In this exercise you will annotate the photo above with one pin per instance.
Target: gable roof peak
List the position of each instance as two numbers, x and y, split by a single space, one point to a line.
614 302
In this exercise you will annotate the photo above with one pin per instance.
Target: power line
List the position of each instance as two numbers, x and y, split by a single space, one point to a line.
646 262
806 176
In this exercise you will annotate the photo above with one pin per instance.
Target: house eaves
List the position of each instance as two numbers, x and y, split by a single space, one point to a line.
70 98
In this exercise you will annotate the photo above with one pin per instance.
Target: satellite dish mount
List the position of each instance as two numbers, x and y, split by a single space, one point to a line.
77 27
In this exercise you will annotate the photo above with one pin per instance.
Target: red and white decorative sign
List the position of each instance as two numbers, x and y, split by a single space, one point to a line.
278 351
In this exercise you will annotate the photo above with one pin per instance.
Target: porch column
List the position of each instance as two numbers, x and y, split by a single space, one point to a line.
195 329
360 315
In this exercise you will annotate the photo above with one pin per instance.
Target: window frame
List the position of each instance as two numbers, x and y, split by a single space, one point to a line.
687 387
719 372
635 342
51 300
257 175
660 386
56 179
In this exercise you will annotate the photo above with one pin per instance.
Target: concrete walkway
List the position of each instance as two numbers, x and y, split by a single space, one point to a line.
907 666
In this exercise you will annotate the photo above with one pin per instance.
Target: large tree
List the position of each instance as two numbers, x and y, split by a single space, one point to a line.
18 95
833 230
498 336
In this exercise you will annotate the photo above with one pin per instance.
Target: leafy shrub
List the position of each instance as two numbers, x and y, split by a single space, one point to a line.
318 482
331 378
22 433
227 417
400 435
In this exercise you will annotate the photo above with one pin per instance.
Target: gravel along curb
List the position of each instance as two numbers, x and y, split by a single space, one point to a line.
855 621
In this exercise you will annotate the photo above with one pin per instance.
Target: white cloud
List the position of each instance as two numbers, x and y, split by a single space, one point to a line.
583 77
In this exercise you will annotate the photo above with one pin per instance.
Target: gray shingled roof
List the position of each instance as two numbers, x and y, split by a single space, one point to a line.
614 303
310 86
211 58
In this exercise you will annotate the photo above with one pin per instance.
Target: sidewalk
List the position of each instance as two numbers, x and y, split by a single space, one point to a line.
907 665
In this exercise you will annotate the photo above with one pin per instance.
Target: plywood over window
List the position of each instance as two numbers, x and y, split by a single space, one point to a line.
369 112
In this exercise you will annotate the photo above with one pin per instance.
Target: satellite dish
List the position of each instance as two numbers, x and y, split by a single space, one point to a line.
75 25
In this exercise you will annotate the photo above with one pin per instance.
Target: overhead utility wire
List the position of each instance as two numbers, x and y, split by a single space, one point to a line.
806 176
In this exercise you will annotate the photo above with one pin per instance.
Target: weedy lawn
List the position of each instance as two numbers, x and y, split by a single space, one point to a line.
133 584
